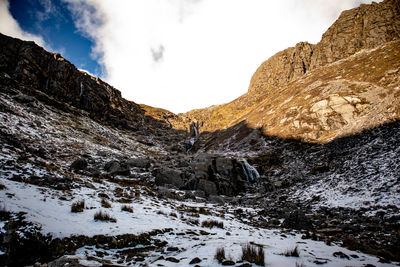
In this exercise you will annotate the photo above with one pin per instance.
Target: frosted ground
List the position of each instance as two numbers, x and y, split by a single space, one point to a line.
66 136
43 207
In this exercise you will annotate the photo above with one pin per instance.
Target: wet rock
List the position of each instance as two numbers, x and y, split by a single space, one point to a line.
224 166
79 164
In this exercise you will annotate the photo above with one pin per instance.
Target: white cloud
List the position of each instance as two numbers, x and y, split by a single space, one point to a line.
9 26
211 48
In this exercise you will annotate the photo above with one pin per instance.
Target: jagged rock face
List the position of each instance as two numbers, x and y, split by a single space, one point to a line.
346 83
51 78
36 69
365 27
282 68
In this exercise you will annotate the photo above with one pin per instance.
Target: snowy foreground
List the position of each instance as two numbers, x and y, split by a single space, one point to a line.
51 209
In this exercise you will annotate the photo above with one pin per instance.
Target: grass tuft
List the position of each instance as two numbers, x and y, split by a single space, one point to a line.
220 255
127 208
102 216
105 203
292 252
212 223
78 206
253 254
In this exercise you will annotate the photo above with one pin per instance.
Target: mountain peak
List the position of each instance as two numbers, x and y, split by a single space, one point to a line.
318 92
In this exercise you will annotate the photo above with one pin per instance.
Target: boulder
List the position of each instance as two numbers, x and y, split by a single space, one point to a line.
79 164
224 166
208 187
165 175
138 162
115 168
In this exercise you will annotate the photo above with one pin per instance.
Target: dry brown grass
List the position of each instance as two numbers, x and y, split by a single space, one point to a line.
127 208
253 254
78 206
105 203
220 255
102 216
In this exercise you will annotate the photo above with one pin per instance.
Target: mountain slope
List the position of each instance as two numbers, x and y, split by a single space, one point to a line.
311 92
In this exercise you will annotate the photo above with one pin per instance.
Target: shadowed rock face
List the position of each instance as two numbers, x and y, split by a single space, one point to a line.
39 71
51 78
346 83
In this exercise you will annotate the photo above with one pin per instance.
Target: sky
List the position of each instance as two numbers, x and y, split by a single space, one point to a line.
174 54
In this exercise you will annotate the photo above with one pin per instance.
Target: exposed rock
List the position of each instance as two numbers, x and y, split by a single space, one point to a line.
79 164
195 260
208 187
297 220
24 98
165 175
116 168
228 263
346 83
138 162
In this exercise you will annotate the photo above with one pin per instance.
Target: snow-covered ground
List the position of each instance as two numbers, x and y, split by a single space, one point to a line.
45 208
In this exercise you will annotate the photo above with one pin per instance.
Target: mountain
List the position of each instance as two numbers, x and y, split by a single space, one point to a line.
301 170
346 83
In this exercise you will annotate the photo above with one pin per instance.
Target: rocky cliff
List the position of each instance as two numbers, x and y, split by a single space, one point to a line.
29 72
346 83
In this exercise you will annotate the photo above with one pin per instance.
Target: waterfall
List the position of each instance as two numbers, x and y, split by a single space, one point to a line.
249 171
82 90
195 129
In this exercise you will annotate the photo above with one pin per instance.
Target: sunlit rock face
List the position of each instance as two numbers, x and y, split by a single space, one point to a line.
348 82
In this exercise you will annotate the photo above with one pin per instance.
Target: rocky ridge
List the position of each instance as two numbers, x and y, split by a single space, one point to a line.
310 92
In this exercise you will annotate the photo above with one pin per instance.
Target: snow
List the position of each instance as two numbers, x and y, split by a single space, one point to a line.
43 207
51 209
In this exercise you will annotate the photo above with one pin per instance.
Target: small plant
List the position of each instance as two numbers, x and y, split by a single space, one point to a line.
105 203
212 223
204 211
127 208
300 264
78 206
137 193
292 252
125 200
193 221
253 254
220 255
102 216
2 187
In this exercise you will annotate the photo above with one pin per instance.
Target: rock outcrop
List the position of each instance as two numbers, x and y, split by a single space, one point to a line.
346 83
50 78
